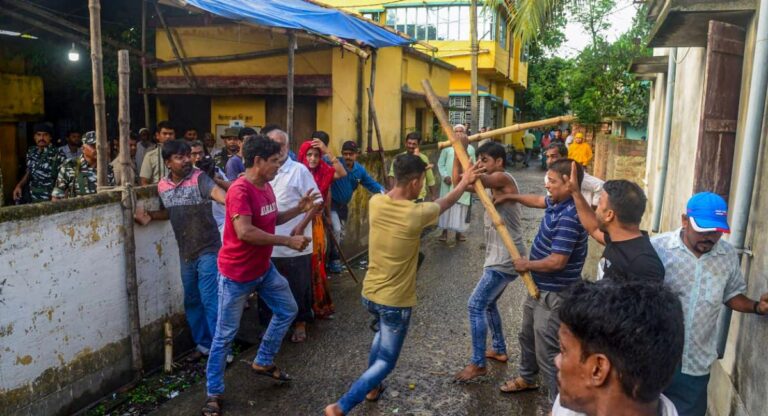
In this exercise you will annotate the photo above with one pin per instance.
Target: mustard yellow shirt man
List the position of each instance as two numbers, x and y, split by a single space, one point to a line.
580 150
395 237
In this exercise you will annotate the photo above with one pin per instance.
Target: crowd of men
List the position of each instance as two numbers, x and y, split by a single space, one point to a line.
637 337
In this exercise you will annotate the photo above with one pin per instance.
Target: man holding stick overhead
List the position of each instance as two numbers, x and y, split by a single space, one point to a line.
389 289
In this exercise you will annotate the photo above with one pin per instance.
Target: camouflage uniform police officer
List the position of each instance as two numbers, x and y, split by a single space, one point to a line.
77 177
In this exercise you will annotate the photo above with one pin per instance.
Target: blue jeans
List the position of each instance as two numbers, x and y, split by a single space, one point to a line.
274 290
484 314
391 325
199 277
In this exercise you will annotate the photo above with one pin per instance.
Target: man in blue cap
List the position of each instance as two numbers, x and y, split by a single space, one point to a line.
704 271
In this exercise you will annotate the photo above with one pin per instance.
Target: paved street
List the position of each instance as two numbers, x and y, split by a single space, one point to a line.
438 345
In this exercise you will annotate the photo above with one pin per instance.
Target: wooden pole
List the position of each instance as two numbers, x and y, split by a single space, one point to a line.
144 75
97 72
371 88
240 56
463 158
127 171
513 128
168 361
359 102
474 107
372 111
336 244
289 83
127 175
187 73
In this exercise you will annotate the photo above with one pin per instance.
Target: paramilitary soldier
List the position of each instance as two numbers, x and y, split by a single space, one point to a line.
77 177
43 162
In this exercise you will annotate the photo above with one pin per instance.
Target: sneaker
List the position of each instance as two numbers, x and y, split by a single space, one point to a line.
335 267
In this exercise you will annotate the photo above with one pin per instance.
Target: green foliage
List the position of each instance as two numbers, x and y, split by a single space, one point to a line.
595 84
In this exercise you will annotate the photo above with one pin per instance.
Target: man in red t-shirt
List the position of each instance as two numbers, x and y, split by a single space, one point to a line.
245 266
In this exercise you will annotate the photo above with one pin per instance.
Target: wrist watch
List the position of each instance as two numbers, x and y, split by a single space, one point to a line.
756 308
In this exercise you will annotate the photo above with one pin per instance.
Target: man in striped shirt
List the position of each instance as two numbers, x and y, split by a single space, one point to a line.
557 257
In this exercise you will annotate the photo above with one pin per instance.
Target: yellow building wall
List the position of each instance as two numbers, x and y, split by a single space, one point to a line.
251 109
387 97
344 100
162 111
234 39
22 97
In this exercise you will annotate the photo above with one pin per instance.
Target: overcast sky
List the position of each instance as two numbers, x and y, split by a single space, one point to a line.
577 38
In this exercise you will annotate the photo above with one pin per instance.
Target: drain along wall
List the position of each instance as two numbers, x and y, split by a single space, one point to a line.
64 330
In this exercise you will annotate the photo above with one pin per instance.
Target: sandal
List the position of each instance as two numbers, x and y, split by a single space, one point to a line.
517 385
461 238
299 335
382 388
443 238
209 409
194 357
272 372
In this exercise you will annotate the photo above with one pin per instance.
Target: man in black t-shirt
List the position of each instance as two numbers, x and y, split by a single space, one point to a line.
628 255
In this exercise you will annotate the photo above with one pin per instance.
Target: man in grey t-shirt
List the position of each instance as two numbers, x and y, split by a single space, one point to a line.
498 270
186 194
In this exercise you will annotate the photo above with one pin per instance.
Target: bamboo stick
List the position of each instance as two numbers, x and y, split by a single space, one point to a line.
97 74
372 111
168 362
371 87
289 84
187 73
127 176
513 128
144 74
462 156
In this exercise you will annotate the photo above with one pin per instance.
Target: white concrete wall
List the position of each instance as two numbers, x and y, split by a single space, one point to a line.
63 294
738 384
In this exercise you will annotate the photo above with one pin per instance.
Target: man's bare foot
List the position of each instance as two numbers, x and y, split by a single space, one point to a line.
375 394
493 355
470 372
333 410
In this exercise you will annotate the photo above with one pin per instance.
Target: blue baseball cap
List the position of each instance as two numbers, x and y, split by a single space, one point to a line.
708 212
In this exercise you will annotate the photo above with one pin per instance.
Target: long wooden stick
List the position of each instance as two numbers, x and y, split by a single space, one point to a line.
99 109
372 110
338 250
461 154
187 73
513 128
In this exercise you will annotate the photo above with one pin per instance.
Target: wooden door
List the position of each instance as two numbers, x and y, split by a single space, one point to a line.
304 116
720 108
186 111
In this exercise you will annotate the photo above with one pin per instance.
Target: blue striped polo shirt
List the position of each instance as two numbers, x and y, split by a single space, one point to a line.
562 233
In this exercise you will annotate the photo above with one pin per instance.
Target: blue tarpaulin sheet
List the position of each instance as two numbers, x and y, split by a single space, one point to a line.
300 15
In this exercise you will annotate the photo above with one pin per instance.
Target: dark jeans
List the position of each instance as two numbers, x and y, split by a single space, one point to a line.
298 272
688 393
528 153
391 326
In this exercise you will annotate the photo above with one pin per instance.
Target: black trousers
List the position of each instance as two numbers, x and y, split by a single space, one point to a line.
298 271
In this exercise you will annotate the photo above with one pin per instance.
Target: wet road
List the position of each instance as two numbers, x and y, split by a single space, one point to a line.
438 345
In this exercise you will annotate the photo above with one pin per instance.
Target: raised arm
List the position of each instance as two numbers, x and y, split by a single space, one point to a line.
587 215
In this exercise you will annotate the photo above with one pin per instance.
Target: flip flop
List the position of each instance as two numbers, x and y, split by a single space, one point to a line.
209 410
517 385
272 372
